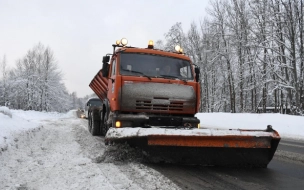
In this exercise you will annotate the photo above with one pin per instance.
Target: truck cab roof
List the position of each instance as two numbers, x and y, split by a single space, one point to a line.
152 51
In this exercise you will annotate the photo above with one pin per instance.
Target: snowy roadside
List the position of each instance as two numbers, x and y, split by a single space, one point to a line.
10 125
58 152
41 150
288 126
14 122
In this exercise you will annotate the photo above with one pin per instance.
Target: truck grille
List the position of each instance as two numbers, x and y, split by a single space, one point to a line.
149 105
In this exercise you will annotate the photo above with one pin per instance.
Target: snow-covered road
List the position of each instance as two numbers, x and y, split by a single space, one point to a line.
61 154
40 150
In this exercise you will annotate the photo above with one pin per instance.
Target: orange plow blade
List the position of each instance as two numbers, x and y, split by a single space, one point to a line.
212 147
210 141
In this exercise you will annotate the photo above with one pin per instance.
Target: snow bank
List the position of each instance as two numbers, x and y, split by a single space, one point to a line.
5 111
18 121
288 126
70 114
38 116
10 126
143 132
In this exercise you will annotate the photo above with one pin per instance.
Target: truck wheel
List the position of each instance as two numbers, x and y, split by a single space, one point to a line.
89 122
95 125
104 127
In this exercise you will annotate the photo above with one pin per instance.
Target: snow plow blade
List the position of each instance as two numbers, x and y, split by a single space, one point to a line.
211 147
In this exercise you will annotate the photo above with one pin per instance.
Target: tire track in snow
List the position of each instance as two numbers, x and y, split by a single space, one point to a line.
49 159
128 174
146 177
93 148
63 155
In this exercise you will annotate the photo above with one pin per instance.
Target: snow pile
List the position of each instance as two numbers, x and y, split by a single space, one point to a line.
288 126
10 126
5 111
121 153
40 150
37 116
62 154
19 121
143 132
70 114
216 124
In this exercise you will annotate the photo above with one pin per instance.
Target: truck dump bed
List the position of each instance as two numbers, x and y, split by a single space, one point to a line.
99 85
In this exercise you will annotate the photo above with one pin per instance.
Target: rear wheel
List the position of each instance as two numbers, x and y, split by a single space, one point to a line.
95 129
89 122
104 125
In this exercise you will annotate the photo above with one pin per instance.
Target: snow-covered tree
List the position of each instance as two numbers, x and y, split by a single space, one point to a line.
251 55
36 83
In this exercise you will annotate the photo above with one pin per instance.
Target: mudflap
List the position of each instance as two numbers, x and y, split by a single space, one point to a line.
248 148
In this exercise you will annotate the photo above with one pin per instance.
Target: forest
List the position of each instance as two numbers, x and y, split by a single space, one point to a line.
36 83
250 54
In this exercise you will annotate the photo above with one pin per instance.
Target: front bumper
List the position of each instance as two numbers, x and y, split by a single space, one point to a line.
128 120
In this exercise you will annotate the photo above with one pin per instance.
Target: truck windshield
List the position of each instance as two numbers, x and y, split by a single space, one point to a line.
135 64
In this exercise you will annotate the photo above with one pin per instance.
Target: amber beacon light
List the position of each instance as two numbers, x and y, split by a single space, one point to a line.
151 44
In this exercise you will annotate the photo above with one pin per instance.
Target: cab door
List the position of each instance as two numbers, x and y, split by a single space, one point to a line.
112 84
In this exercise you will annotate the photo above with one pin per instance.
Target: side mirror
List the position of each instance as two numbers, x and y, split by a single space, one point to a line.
106 59
105 66
105 70
197 73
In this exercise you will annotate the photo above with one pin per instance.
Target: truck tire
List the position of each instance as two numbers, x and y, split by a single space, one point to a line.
95 130
89 122
104 127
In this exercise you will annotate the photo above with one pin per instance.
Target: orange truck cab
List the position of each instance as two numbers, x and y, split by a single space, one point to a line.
145 87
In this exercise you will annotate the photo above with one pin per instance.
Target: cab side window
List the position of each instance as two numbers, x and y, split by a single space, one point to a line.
186 72
113 68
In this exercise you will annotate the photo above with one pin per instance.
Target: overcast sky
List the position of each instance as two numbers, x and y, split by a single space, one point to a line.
81 32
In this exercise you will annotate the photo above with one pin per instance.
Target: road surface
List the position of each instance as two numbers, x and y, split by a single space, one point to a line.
285 171
61 154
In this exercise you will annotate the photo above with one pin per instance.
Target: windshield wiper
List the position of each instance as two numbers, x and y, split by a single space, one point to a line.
172 77
138 73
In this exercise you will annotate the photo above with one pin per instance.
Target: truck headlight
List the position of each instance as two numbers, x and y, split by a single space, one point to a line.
117 124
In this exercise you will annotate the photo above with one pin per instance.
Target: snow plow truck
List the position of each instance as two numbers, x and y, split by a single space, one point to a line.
150 98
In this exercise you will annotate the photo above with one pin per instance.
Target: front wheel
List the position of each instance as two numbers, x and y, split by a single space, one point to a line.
104 125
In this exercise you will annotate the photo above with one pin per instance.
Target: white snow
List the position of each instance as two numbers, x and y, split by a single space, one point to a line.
216 124
40 150
10 125
288 126
140 132
5 111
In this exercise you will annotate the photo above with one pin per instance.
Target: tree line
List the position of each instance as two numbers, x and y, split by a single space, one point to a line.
251 55
36 83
